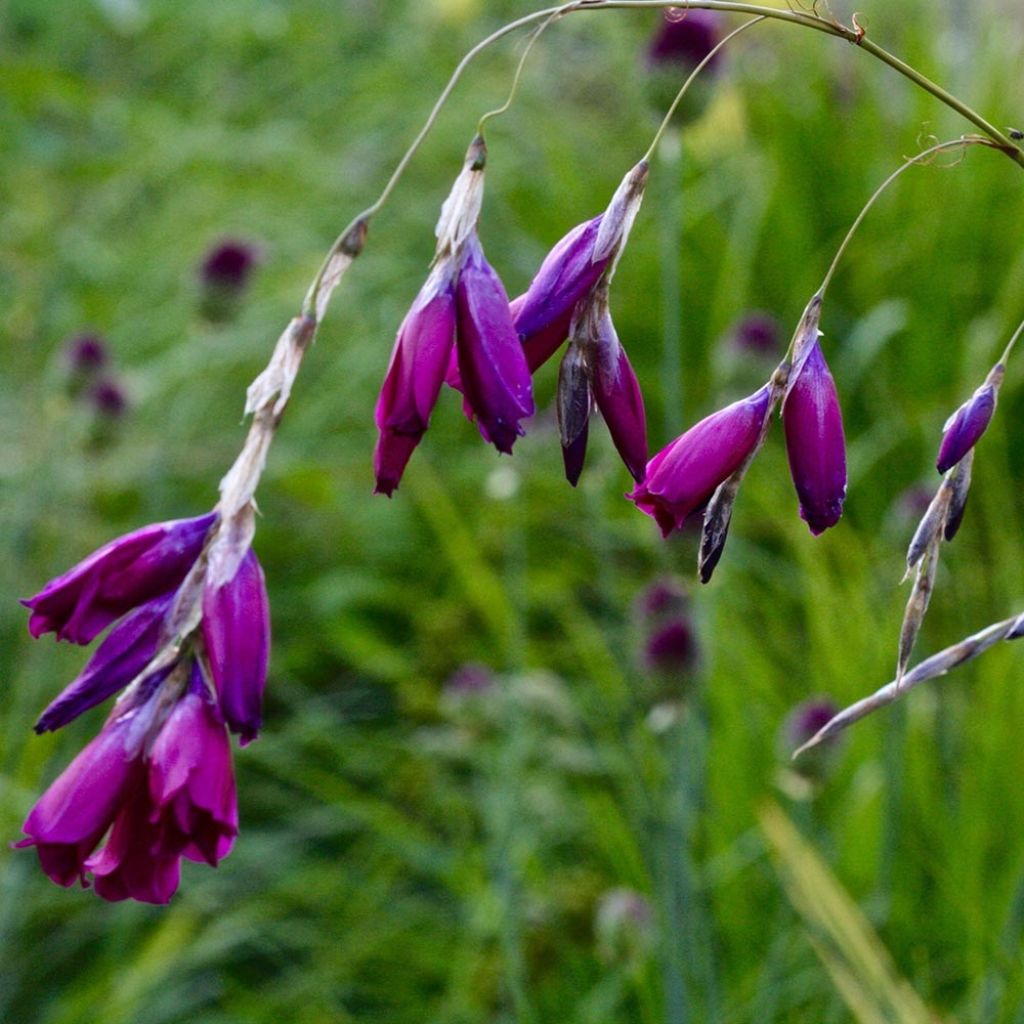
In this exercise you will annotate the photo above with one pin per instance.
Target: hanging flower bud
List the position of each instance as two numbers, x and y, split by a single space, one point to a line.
236 632
814 430
683 476
495 378
119 576
573 269
419 360
964 428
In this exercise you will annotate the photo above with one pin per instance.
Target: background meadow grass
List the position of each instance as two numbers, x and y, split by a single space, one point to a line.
408 855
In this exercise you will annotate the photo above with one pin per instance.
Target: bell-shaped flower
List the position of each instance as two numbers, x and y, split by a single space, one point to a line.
191 783
236 633
964 428
74 814
814 439
118 577
419 360
495 378
124 653
681 479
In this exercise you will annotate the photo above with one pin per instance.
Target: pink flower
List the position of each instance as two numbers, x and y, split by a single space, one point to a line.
682 477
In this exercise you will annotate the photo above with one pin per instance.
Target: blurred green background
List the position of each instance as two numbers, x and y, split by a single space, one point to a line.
574 837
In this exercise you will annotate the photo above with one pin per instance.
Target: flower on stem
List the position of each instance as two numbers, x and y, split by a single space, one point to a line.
596 370
236 632
159 778
459 326
121 575
814 430
964 428
680 42
681 479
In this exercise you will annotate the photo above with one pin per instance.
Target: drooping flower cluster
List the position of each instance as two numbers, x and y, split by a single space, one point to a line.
461 315
157 781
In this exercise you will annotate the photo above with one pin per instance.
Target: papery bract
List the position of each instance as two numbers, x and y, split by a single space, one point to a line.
236 632
119 576
683 476
964 428
424 345
495 378
814 440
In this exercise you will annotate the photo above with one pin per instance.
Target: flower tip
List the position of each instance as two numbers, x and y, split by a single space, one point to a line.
818 521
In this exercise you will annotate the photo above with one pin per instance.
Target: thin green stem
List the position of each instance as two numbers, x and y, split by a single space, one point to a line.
519 72
1011 343
667 119
853 35
962 142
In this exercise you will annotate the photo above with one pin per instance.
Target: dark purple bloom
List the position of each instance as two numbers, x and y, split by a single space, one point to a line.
108 398
228 264
757 333
617 394
815 441
424 345
73 815
807 718
236 632
159 779
685 38
191 784
663 597
964 428
119 576
124 653
802 723
495 378
86 353
543 313
683 476
671 647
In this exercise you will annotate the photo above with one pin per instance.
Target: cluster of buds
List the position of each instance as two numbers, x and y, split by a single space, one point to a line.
92 377
190 655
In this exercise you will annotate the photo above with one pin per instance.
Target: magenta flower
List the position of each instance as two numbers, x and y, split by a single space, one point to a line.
964 428
119 576
543 313
419 361
228 264
236 632
815 441
160 782
495 378
682 477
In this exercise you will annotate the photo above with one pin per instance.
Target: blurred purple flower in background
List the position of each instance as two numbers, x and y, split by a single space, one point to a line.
108 398
813 766
86 353
224 275
757 334
681 40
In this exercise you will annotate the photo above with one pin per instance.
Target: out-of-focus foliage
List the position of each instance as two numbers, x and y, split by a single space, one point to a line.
412 852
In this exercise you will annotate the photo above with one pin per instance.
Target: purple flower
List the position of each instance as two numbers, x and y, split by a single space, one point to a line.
683 476
684 39
419 361
191 784
86 353
801 724
756 333
814 440
108 398
543 313
617 394
671 647
964 428
159 780
124 653
662 598
236 632
119 576
228 264
495 378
